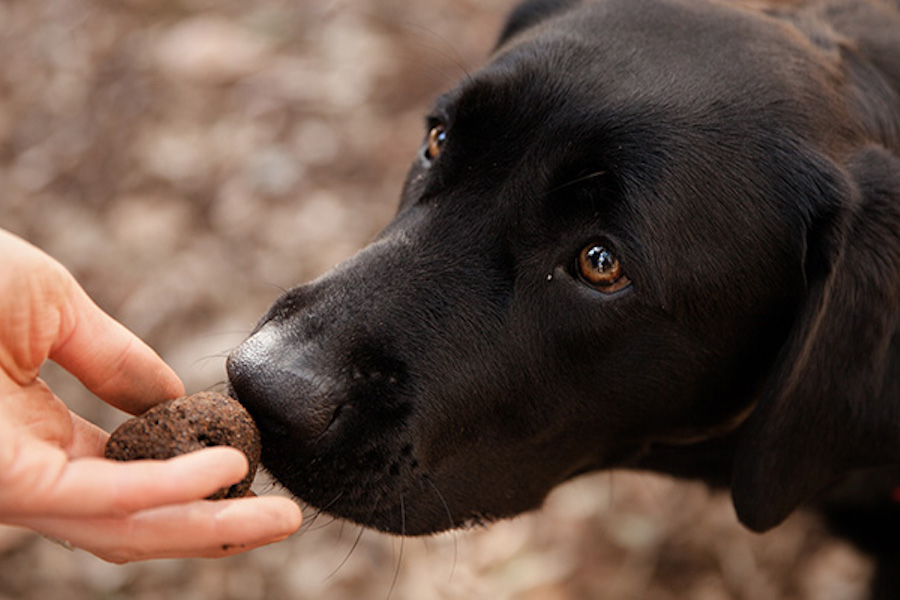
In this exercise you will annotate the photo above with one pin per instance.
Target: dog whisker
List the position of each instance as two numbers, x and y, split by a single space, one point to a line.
320 511
310 516
577 180
309 522
281 289
353 548
402 542
422 33
332 503
205 359
451 524
217 386
322 526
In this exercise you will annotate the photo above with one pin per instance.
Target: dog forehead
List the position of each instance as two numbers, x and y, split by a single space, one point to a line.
665 52
623 77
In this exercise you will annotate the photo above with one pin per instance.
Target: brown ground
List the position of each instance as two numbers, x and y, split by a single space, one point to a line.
188 158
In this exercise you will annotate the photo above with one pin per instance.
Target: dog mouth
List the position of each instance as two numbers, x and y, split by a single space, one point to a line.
377 485
374 477
388 482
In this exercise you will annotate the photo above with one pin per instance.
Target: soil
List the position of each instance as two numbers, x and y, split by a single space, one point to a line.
187 160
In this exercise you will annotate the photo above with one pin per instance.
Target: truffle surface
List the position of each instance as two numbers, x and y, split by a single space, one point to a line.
187 424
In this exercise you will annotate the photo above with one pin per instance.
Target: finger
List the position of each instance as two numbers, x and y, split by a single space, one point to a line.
95 487
110 360
198 529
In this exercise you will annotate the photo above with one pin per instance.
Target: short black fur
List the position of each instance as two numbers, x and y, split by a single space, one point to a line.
741 165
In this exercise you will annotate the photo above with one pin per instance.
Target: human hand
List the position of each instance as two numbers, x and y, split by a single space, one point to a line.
53 478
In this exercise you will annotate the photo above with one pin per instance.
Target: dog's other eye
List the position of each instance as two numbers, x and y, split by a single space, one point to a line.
436 138
600 268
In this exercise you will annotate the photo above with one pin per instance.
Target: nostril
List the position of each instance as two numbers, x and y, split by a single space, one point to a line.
340 415
336 414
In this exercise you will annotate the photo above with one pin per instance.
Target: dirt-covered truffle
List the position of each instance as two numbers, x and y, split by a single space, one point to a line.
187 424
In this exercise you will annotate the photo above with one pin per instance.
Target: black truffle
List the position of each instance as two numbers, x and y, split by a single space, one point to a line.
187 424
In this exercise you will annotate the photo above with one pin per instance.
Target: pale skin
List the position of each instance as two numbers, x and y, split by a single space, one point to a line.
53 478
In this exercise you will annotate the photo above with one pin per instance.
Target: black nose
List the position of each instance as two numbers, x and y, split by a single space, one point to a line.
272 376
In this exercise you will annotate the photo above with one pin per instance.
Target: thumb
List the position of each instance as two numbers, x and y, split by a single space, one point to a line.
110 360
44 313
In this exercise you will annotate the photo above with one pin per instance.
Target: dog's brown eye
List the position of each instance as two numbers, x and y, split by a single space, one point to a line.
600 268
436 138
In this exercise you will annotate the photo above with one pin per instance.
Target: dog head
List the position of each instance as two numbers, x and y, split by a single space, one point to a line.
640 223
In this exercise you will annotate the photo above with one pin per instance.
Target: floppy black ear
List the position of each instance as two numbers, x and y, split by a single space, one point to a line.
833 404
530 13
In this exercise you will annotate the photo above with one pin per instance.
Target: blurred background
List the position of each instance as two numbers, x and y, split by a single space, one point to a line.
187 160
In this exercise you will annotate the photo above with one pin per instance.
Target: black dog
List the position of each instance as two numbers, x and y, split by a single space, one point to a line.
656 234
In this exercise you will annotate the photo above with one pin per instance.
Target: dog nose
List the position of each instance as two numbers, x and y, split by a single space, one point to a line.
271 375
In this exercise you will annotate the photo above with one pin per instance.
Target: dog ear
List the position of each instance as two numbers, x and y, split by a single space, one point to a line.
833 404
530 13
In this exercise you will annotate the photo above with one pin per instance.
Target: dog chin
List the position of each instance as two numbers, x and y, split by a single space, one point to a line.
409 501
408 516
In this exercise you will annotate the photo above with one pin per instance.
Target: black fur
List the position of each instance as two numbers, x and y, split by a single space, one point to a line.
743 167
530 13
